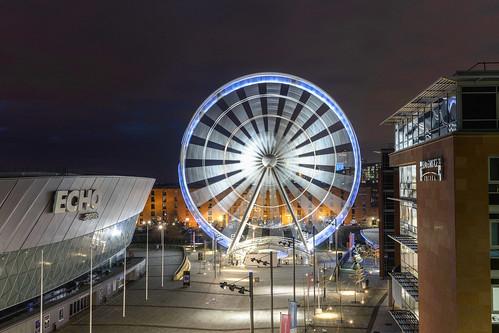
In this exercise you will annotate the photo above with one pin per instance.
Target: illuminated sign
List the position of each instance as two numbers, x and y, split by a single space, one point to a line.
431 170
76 201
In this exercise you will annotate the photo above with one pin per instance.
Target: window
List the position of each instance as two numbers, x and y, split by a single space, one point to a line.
493 192
479 107
438 119
61 314
408 260
408 181
494 169
494 234
495 298
494 199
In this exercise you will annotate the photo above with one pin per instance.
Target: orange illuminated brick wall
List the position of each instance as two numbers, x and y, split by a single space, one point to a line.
166 204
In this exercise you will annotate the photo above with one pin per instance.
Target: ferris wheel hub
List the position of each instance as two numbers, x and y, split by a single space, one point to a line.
269 160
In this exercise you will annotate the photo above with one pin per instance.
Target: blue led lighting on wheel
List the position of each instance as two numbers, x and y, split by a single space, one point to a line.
267 78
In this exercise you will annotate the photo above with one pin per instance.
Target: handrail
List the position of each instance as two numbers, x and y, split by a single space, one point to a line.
483 64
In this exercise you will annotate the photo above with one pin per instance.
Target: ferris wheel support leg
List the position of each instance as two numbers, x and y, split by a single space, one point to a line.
246 215
290 209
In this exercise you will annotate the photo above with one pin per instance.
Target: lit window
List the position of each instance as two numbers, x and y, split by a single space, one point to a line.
495 298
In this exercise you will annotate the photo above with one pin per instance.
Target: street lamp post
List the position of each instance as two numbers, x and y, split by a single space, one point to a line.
41 294
91 285
271 292
288 244
124 284
324 280
252 316
338 286
162 254
242 290
147 259
193 240
294 269
265 263
214 250
305 309
314 259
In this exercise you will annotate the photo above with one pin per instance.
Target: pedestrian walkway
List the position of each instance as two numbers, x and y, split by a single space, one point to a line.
205 307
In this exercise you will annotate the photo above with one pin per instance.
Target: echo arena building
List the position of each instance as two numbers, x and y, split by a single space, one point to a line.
62 217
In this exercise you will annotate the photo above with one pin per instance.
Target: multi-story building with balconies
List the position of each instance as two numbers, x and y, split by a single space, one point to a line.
447 154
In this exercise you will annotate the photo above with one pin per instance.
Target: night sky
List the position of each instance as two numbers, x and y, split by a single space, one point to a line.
109 86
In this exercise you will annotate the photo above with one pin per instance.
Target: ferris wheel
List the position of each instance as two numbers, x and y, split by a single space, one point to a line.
267 157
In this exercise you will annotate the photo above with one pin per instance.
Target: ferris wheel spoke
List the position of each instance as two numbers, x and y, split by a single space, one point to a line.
282 145
311 120
195 140
287 147
325 132
262 145
305 192
249 113
208 188
299 106
262 89
247 212
232 116
210 123
299 193
314 175
280 106
290 209
230 200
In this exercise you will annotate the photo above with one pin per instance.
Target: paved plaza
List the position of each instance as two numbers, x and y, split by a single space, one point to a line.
205 307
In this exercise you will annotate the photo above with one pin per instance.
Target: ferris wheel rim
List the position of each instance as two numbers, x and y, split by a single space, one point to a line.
268 77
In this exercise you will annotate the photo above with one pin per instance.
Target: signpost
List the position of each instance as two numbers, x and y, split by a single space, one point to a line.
187 279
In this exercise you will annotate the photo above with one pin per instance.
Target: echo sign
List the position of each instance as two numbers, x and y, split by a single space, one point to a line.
76 201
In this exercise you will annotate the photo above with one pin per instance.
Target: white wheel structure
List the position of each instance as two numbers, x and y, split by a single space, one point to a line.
264 159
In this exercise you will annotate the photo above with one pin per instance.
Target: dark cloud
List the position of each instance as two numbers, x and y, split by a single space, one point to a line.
110 86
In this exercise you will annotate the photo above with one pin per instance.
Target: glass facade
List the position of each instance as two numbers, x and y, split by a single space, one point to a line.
408 227
63 262
408 219
438 119
408 182
493 194
408 260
